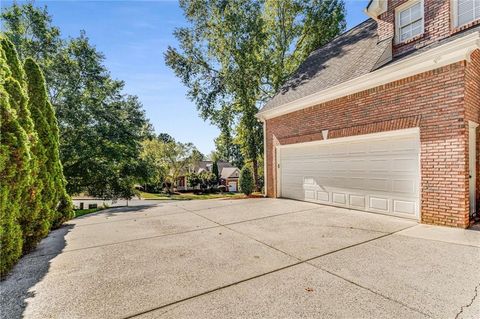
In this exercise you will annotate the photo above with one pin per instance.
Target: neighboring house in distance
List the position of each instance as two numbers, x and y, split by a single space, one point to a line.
228 175
384 118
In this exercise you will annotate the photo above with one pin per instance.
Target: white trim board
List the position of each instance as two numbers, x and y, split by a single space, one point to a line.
452 52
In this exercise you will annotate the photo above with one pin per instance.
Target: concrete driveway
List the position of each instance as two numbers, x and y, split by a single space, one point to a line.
258 258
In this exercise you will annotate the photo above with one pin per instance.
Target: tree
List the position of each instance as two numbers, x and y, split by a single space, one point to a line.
236 54
14 174
165 137
215 171
101 128
31 205
169 160
193 179
47 196
156 168
50 139
32 186
246 181
177 158
204 180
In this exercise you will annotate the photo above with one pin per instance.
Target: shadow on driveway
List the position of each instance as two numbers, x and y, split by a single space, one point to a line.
19 285
115 211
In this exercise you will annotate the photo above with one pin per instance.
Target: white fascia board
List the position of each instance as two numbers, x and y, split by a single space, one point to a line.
376 8
452 52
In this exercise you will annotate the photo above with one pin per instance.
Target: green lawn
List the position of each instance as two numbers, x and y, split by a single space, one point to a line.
189 196
81 212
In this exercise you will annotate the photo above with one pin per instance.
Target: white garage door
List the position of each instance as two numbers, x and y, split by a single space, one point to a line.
375 172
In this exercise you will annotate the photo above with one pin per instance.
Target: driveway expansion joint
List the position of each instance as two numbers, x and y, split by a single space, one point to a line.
370 290
123 242
305 261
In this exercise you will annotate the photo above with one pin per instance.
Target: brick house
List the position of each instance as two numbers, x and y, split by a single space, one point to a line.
384 118
229 175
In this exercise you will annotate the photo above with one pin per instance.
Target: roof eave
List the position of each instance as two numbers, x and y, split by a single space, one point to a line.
375 8
455 51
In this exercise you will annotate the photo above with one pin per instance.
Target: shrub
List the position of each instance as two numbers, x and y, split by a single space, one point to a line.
14 174
36 227
215 171
32 185
246 181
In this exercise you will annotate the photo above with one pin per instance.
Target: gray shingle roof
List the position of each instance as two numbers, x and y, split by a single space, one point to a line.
348 56
228 172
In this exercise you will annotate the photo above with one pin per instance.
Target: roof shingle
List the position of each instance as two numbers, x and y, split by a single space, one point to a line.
348 56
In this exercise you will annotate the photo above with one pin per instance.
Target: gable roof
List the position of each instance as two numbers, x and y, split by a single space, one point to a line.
348 56
356 61
228 172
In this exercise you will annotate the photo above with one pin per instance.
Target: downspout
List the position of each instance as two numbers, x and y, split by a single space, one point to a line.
265 180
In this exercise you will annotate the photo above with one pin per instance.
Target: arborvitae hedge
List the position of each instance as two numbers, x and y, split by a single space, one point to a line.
45 190
14 160
32 185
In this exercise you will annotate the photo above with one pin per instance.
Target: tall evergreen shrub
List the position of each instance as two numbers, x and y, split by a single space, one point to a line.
45 192
30 205
14 159
246 180
57 204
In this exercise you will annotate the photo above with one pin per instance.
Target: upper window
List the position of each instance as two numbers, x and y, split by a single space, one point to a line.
409 21
467 11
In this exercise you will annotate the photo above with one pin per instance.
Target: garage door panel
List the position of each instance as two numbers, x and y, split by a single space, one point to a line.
379 184
404 207
373 174
357 201
323 196
379 203
405 165
339 198
404 186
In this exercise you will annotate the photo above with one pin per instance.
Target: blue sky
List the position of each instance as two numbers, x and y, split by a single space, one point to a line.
133 35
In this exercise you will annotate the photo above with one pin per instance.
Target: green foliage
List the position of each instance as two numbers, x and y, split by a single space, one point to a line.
246 181
14 170
65 210
236 54
15 85
46 193
101 128
215 170
169 160
209 180
166 138
32 186
204 180
193 179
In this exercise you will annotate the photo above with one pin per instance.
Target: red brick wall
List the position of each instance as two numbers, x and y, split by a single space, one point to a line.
472 103
438 24
433 101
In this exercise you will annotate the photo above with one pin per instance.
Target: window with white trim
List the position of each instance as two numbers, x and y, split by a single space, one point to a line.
410 21
467 11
